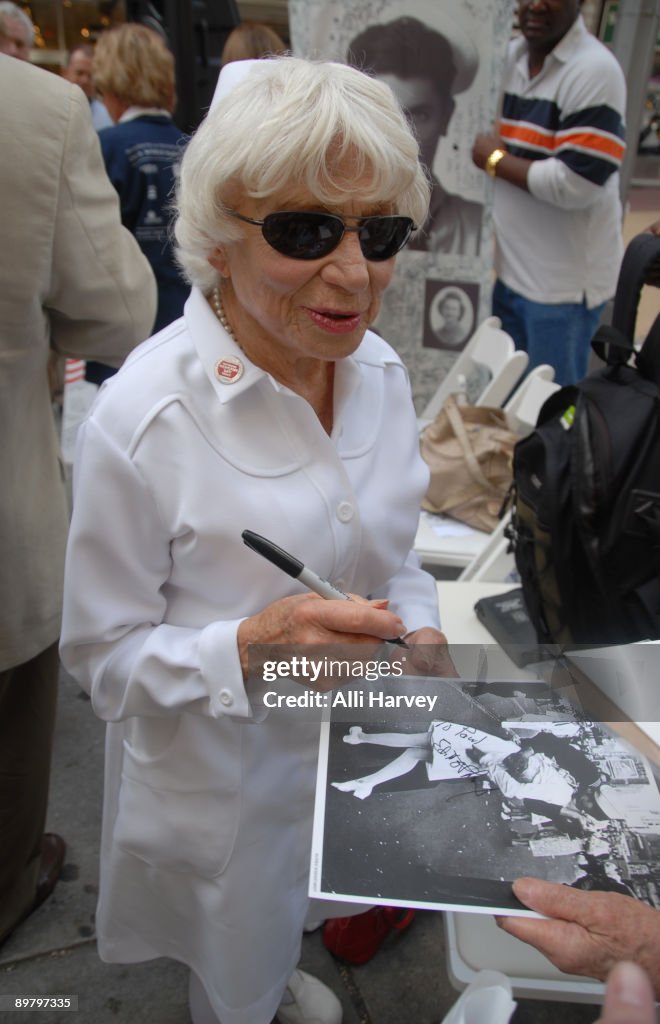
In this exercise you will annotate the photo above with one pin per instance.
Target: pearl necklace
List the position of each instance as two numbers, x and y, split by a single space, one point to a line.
219 310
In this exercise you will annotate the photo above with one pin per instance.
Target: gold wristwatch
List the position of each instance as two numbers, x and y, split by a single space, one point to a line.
490 167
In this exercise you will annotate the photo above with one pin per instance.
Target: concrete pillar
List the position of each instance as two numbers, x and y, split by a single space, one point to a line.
633 45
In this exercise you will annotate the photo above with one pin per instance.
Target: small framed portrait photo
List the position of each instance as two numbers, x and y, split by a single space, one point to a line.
450 314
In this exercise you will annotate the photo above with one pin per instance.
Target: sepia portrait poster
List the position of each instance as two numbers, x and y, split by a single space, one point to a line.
444 62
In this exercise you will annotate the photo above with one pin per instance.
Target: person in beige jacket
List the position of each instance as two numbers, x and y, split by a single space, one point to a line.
73 280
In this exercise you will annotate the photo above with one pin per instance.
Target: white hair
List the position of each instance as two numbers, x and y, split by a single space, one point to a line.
9 10
290 123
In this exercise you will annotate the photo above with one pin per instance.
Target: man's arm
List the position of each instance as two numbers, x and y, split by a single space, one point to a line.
508 786
530 793
510 168
587 932
565 164
102 295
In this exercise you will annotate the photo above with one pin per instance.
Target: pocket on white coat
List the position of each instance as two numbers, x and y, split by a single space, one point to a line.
191 831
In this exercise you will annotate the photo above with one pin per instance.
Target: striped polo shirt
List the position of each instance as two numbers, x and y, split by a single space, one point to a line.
562 242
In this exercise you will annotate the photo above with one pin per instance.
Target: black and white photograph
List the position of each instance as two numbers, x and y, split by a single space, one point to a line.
451 314
427 66
441 803
439 59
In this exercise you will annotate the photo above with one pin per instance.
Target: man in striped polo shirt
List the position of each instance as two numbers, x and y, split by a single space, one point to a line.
555 162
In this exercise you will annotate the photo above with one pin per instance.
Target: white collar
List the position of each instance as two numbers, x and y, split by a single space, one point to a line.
562 52
133 112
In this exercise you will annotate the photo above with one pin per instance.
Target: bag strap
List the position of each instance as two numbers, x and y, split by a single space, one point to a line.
460 433
647 359
614 344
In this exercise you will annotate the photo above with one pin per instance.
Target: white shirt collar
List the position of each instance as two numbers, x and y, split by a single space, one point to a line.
562 52
214 346
133 112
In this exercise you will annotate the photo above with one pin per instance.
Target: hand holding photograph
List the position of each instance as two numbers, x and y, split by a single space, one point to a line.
419 810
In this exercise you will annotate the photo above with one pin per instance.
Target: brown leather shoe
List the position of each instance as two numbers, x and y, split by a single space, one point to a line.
53 852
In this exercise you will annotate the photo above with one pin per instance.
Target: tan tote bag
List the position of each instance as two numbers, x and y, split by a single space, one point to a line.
469 451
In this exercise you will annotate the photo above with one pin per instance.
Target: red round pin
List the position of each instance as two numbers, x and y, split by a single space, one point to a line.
229 370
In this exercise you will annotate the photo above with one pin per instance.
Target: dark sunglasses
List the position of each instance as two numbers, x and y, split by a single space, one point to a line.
310 236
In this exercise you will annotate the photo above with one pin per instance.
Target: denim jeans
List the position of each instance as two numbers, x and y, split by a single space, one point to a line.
558 333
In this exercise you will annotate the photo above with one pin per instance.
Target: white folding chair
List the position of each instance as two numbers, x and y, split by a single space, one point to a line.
490 356
441 540
494 562
524 405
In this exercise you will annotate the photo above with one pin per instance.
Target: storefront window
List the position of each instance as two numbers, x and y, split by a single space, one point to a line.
62 25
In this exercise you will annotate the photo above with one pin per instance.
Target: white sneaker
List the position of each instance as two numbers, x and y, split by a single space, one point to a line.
307 1000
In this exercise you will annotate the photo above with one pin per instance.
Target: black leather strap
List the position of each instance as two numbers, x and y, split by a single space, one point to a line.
614 345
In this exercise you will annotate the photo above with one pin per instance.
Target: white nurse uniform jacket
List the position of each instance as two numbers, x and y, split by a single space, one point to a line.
208 801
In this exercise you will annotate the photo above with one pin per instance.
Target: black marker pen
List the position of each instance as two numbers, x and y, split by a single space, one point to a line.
294 567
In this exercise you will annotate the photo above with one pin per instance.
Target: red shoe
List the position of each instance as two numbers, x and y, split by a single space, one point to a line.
356 939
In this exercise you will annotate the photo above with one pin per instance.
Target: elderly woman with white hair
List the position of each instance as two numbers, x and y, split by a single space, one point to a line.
268 406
